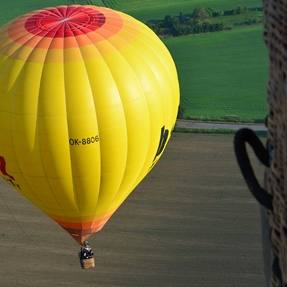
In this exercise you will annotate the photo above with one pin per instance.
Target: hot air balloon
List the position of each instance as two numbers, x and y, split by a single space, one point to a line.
88 99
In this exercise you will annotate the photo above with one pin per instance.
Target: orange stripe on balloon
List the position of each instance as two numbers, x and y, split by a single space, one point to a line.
18 43
78 35
80 230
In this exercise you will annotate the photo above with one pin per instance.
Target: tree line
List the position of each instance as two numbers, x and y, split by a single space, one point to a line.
201 20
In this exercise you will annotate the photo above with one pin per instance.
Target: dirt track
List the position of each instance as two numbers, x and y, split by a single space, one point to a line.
191 223
191 125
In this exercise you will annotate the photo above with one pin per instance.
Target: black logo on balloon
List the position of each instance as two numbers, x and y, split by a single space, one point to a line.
162 141
5 175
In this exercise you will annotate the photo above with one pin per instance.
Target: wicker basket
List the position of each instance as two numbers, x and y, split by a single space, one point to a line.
88 263
276 176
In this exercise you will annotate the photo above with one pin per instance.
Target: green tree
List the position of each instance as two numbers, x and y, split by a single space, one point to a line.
200 14
240 10
181 18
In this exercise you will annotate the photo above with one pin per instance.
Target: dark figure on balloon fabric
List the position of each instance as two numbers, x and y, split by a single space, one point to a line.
86 255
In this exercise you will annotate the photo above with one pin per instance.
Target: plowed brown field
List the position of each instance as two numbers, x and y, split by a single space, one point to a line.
191 223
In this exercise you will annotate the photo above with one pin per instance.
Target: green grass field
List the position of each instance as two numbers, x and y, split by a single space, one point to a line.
223 74
141 9
154 9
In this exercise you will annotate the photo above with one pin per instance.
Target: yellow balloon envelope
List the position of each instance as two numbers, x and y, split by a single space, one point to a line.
88 99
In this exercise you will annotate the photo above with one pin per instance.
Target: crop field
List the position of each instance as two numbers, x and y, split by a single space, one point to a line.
222 74
144 10
191 220
149 9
